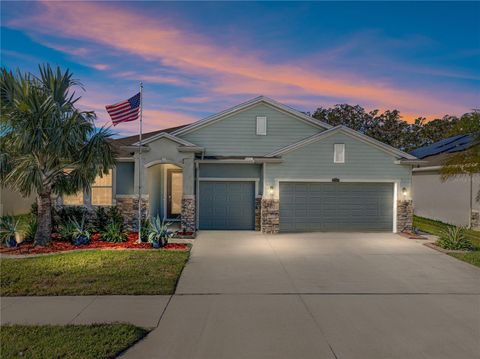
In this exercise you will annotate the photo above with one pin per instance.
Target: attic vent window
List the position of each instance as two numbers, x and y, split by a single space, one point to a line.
339 153
261 125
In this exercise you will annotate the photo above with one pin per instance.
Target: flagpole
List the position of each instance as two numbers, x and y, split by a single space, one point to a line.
140 167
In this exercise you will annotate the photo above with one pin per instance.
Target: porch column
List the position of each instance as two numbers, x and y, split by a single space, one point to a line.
189 214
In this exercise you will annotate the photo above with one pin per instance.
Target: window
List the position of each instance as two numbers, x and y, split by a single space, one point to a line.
102 190
339 153
73 199
261 126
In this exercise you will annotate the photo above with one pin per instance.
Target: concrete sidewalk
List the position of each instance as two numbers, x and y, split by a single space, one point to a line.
144 311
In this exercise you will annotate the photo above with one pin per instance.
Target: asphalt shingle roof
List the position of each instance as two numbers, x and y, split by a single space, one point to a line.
130 140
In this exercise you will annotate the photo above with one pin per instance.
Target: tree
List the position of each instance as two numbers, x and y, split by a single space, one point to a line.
354 117
388 126
48 146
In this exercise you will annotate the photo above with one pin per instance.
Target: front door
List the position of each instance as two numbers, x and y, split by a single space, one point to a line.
174 193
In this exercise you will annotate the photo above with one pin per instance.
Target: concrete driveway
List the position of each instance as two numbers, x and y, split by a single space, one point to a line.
318 295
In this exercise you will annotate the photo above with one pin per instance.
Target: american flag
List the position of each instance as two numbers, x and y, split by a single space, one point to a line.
125 111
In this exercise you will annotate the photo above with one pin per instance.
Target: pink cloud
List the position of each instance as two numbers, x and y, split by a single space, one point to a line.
159 79
101 67
231 71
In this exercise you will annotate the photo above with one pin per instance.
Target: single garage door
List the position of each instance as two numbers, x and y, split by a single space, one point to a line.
227 205
336 207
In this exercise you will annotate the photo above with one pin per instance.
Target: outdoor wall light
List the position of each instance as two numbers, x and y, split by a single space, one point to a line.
404 191
270 190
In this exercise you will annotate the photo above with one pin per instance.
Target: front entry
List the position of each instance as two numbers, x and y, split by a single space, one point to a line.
174 193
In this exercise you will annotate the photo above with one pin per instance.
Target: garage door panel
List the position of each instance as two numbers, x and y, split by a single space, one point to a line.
336 207
227 205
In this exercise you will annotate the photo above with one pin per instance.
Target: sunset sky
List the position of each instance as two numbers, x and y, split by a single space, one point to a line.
196 59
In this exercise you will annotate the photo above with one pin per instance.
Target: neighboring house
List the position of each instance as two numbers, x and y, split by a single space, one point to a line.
12 203
451 201
261 165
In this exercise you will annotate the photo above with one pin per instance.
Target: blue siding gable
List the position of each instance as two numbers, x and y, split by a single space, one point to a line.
235 135
315 162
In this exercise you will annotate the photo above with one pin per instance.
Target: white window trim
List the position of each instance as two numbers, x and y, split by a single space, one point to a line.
261 130
342 160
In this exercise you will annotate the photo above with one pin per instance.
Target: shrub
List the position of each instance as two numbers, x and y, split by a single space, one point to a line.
115 216
31 227
65 214
159 232
101 219
453 238
145 229
113 232
66 230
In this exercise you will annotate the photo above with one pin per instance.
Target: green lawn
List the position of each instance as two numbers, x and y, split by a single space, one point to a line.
99 272
71 341
436 227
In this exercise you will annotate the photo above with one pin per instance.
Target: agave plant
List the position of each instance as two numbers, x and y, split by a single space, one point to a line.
453 238
81 234
159 232
9 230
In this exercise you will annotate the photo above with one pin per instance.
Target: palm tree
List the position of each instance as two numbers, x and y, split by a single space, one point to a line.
47 145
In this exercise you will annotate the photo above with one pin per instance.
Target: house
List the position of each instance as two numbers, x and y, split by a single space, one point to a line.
260 166
452 201
12 203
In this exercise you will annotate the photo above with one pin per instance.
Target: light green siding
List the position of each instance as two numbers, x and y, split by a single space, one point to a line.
231 170
124 178
315 162
236 135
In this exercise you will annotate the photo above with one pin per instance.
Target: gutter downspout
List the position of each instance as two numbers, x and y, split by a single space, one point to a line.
471 202
197 195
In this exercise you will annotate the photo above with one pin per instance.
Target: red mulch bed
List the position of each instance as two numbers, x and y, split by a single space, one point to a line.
95 243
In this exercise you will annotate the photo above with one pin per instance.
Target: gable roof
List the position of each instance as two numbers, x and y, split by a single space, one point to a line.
347 131
171 137
243 106
449 145
119 143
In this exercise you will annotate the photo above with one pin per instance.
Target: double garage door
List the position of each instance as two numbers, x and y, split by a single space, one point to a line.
336 207
304 206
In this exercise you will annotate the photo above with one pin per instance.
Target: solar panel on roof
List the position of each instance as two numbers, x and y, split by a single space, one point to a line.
449 145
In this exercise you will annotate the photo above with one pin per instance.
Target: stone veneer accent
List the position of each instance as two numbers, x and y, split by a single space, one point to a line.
258 213
404 215
128 206
475 220
188 214
270 213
